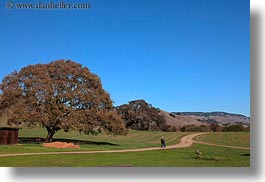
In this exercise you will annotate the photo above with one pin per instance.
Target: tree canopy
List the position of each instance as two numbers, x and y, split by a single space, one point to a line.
140 115
59 95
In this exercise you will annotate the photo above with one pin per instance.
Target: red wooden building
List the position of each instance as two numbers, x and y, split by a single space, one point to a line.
8 135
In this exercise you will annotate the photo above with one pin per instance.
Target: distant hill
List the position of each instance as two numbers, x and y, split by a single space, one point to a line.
179 119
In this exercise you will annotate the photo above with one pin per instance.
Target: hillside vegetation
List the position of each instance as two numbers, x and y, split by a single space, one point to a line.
180 119
221 118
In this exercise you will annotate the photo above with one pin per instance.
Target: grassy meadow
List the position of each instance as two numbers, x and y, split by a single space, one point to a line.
184 157
212 156
240 139
134 139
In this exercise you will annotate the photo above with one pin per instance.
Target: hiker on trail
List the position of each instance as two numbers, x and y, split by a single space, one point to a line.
163 142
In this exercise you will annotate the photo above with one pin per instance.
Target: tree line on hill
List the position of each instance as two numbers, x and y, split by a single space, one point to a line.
140 115
215 128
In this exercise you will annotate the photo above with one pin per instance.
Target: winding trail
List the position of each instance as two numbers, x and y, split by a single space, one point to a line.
217 145
185 141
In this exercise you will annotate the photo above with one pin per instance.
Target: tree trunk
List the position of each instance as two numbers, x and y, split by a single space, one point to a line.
51 131
49 137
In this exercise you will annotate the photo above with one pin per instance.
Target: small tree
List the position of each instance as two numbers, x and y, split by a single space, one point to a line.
59 95
216 127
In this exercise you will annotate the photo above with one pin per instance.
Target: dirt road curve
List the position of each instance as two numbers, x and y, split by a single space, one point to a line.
217 145
185 141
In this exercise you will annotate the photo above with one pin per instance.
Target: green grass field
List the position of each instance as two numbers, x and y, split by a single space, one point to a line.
185 157
240 139
212 156
134 139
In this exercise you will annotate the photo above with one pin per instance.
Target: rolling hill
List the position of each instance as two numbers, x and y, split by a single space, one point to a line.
179 119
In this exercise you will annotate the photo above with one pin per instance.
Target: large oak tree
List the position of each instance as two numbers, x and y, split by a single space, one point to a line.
139 115
59 95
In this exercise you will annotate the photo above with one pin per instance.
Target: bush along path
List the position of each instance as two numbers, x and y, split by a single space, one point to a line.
185 141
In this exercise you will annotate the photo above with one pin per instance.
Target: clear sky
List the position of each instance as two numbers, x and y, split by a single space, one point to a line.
179 55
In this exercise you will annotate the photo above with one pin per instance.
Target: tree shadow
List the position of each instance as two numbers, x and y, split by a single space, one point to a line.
205 158
37 140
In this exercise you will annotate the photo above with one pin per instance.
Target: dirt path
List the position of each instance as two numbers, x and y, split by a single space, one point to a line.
185 141
217 145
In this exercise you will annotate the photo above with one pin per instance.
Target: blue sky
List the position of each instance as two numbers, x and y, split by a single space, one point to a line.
179 55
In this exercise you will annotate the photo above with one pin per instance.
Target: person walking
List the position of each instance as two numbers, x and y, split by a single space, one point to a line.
163 142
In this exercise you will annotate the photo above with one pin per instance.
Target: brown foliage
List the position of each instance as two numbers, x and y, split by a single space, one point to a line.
140 115
59 95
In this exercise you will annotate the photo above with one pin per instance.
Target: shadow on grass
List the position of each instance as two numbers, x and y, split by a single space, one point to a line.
35 140
245 155
205 158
